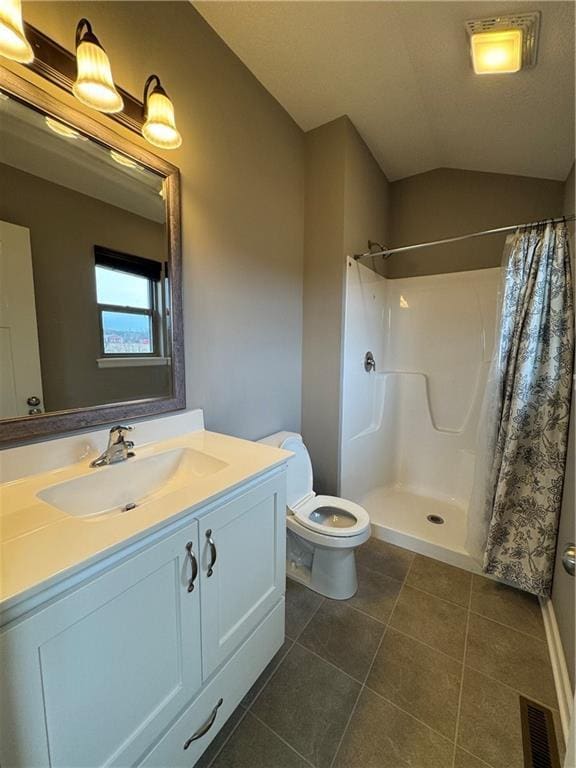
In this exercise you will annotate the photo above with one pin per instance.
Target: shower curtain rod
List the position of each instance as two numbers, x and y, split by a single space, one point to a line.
389 251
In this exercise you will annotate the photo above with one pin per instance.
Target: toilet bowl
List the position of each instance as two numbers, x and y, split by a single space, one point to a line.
322 531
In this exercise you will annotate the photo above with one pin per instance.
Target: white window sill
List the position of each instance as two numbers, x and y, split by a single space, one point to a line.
131 362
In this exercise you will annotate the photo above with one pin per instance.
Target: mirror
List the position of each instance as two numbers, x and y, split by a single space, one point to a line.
89 272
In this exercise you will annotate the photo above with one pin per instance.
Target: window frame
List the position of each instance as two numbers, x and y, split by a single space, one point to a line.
131 265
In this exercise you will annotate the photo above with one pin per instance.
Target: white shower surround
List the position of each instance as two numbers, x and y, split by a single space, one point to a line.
409 429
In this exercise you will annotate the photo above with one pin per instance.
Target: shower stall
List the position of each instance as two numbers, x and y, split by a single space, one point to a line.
409 420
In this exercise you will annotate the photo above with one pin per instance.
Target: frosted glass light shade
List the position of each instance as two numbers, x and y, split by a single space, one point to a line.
13 43
160 126
498 52
94 84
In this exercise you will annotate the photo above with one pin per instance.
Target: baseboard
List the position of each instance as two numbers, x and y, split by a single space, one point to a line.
559 668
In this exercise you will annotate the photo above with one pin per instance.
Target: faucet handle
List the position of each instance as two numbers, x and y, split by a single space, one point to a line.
119 431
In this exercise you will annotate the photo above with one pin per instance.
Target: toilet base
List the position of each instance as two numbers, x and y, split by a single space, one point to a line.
328 571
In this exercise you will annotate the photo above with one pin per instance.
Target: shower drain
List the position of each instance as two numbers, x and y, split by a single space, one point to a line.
436 519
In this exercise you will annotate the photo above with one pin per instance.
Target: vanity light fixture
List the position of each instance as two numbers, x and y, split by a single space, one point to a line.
13 42
62 129
94 84
159 127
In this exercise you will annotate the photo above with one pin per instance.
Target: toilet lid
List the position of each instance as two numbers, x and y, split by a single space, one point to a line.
332 516
299 474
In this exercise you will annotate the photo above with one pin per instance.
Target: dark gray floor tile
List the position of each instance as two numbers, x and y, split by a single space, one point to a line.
265 676
435 622
441 580
466 760
489 724
344 637
301 603
308 702
384 558
252 745
507 605
424 682
382 736
223 735
515 659
376 594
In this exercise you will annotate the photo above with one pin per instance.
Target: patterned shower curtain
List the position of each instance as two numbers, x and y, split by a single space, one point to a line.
531 396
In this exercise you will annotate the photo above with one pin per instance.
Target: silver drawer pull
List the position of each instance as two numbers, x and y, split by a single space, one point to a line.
194 564
212 552
206 727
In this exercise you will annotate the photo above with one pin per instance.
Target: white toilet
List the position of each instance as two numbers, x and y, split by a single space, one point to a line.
322 531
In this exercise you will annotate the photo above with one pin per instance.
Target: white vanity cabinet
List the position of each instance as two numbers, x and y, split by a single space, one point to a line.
247 538
125 668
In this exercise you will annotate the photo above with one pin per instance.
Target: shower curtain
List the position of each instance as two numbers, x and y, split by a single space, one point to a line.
521 450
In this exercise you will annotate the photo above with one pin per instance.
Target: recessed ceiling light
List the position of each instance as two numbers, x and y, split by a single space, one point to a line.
122 159
498 52
61 129
504 44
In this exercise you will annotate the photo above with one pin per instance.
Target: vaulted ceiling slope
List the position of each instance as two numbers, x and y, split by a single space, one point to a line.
401 72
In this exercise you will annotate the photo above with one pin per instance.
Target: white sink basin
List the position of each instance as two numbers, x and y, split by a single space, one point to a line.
114 487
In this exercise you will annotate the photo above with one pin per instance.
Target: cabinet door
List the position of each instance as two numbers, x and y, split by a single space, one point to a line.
94 678
242 546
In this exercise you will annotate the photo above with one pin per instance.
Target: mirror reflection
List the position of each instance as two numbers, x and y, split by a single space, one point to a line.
84 271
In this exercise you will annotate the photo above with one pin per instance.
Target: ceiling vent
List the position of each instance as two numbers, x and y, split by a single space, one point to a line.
529 23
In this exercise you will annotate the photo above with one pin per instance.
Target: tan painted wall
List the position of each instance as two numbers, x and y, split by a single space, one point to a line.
346 202
564 588
242 165
447 202
323 270
64 228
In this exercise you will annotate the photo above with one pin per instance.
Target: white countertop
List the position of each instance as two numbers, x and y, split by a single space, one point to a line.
41 545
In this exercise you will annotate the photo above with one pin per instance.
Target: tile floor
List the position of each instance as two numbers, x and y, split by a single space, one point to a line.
422 668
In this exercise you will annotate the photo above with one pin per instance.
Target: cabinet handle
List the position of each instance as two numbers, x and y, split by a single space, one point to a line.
212 552
206 727
194 564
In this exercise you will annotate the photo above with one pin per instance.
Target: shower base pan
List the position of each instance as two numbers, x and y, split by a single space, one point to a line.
430 526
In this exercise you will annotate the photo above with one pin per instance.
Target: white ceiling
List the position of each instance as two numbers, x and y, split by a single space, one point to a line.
401 72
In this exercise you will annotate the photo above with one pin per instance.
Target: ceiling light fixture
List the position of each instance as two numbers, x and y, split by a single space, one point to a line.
61 129
504 44
160 126
94 84
13 43
497 52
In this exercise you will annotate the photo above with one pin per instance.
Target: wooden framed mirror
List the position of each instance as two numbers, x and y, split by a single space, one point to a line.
91 327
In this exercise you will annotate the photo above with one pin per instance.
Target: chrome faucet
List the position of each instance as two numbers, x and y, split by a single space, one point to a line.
118 448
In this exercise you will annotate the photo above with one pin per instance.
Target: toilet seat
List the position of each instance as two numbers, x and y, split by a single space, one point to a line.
304 514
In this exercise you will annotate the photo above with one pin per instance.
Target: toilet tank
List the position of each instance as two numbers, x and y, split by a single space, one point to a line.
299 475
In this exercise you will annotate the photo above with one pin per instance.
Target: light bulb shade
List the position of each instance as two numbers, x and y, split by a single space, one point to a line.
94 84
497 52
13 43
160 126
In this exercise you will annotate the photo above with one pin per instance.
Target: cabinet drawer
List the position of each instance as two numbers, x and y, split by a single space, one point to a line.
230 685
